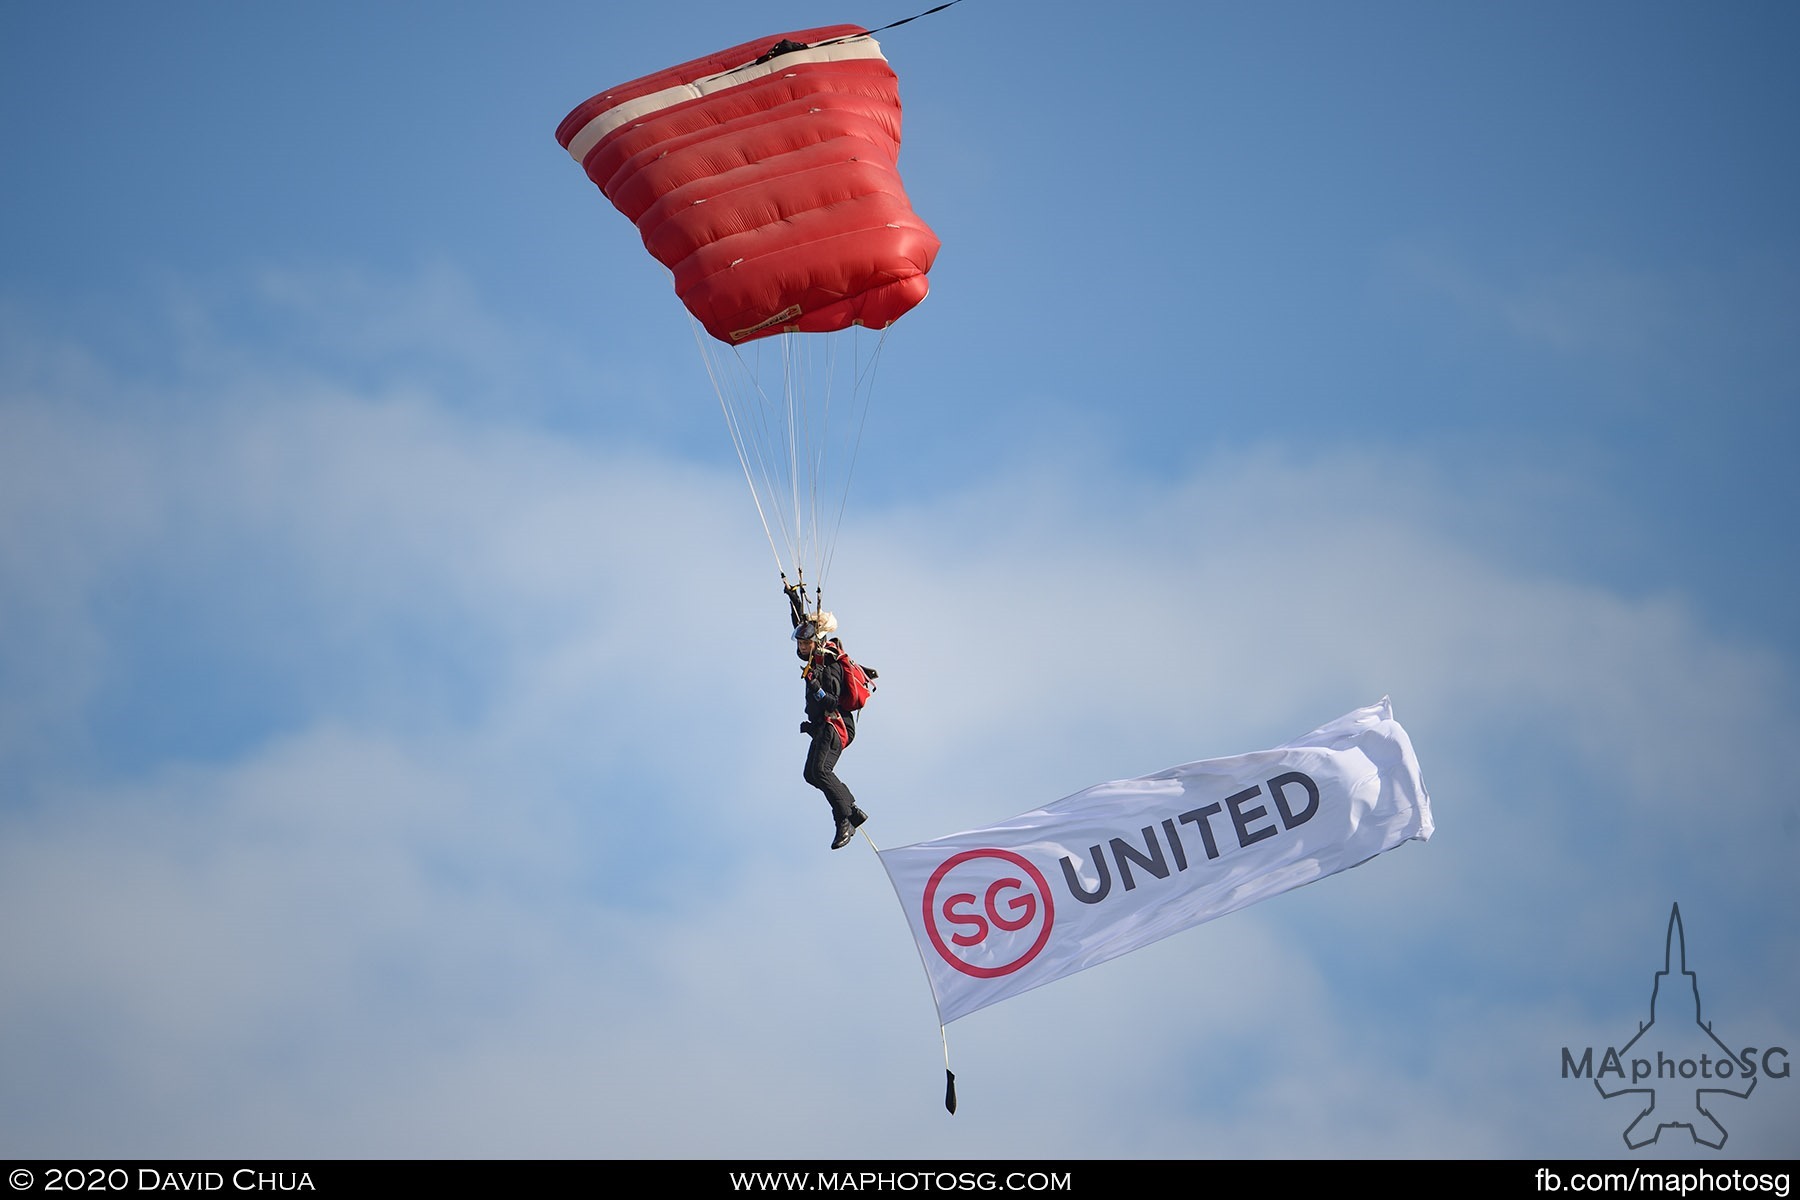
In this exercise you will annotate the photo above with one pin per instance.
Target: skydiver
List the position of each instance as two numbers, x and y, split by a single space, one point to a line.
831 727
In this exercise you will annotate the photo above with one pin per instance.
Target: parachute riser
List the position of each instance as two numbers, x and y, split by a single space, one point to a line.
797 609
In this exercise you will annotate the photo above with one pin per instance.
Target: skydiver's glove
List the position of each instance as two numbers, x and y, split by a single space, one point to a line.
806 727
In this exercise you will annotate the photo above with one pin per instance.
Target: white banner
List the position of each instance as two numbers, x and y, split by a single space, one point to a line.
1002 910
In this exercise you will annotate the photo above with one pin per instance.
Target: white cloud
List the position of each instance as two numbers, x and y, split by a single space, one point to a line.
522 863
1590 307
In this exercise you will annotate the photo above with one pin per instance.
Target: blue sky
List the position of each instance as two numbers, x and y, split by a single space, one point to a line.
397 749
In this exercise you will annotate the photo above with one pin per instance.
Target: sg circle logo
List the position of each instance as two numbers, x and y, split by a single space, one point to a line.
988 912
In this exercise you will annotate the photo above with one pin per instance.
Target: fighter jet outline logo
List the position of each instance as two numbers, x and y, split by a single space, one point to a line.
1679 1102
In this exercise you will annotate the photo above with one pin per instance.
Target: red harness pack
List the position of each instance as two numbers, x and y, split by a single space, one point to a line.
858 687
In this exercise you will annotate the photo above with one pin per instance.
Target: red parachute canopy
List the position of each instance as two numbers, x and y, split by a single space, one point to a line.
765 177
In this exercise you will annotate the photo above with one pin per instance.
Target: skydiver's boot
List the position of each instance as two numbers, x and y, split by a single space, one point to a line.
846 830
857 816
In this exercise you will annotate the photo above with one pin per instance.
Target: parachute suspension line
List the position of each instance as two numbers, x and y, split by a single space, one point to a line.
795 373
775 440
811 366
816 412
862 393
776 430
723 389
797 443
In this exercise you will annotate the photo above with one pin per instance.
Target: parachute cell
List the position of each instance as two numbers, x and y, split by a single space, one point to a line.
765 178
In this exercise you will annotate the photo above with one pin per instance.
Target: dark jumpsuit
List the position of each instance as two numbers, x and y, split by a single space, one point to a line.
825 674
